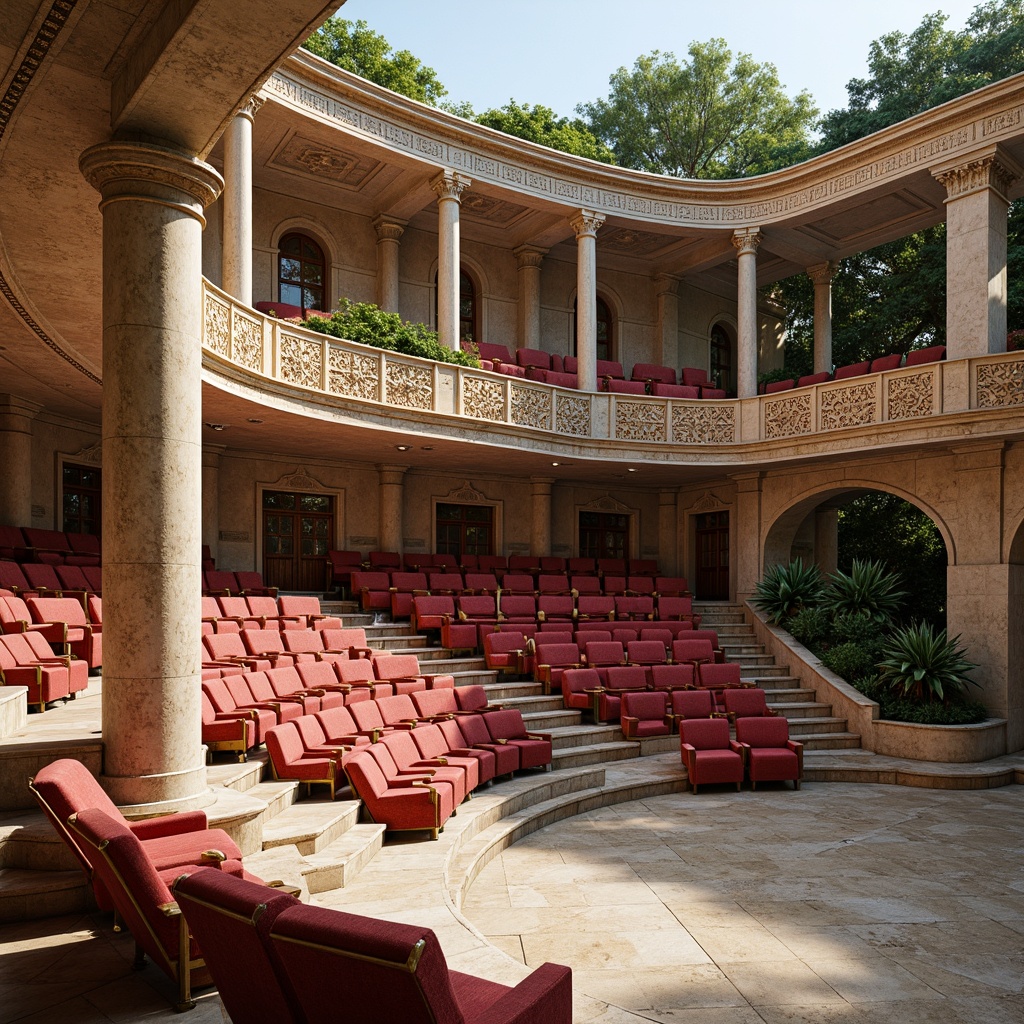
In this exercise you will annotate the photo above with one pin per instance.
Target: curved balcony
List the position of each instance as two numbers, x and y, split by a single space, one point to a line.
280 364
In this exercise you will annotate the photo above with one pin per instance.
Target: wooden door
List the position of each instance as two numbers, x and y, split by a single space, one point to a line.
297 533
712 583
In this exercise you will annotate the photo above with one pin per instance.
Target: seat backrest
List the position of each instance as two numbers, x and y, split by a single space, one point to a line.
476 606
586 586
504 643
595 606
299 604
336 722
505 725
12 578
398 708
852 370
435 702
693 376
705 733
577 680
444 581
489 351
553 583
727 674
559 606
813 378
692 703
355 670
763 732
407 582
931 354
429 740
284 680
311 732
231 920
71 577
396 666
653 371
366 715
660 634
772 387
373 581
557 655
41 576
57 609
745 703
674 607
262 604
284 744
302 641
625 635
533 357
517 583
602 652
385 560
646 652
890 362
626 677
665 677
485 581
217 581
582 566
249 580
471 698
263 641
645 705
552 564
520 606
692 650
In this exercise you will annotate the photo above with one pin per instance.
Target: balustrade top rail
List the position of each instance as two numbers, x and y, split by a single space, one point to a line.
350 372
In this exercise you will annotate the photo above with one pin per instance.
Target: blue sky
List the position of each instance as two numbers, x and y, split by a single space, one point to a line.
561 52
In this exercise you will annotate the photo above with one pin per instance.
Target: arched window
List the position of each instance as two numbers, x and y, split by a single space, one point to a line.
722 358
468 330
605 332
300 272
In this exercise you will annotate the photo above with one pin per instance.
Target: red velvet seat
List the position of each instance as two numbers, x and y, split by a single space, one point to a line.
340 729
70 627
309 642
678 609
585 586
343 564
43 579
428 612
660 390
890 362
359 677
13 579
267 643
480 583
507 652
267 610
384 561
551 660
224 703
351 641
604 654
31 650
685 704
692 652
237 610
644 714
463 778
746 703
625 635
671 586
553 584
373 590
229 649
213 618
404 587
287 684
556 608
49 546
447 581
771 755
220 582
635 609
580 687
708 753
289 760
250 584
459 746
852 370
45 683
404 672
473 699
307 607
593 606
616 681
434 704
72 580
672 677
718 678
813 378
235 731
474 729
13 545
508 728
920 356
517 609
263 695
651 372
775 386
517 583
431 743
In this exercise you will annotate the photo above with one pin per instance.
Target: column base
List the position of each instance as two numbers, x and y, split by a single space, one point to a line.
145 796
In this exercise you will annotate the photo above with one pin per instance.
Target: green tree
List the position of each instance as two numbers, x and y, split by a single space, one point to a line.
355 47
542 125
705 117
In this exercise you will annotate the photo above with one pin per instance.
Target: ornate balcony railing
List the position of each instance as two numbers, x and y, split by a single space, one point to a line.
280 351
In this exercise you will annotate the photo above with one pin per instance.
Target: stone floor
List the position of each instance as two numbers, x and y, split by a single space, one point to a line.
856 904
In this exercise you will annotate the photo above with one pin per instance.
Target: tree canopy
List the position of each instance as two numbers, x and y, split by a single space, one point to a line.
355 47
542 125
708 116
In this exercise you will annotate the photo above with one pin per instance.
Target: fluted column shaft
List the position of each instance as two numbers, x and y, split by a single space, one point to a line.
585 224
746 243
449 187
152 203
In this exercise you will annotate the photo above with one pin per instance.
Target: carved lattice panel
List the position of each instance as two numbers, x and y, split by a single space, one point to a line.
707 424
1000 384
572 415
410 386
247 342
531 407
352 374
217 326
301 361
851 406
912 396
483 399
639 421
784 417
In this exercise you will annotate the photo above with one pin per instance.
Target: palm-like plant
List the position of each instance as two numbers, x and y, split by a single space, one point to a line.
866 590
785 589
924 664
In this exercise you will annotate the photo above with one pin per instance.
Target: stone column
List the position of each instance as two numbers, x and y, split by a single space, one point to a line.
236 269
211 496
540 527
666 340
392 500
16 417
585 224
821 275
745 534
668 540
746 242
826 539
528 263
389 233
152 203
976 207
449 187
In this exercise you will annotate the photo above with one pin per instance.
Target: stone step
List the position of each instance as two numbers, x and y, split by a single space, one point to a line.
801 709
769 671
36 746
240 777
311 824
580 735
537 704
29 842
830 741
597 753
337 864
13 709
441 665
545 721
278 795
781 693
499 692
769 682
26 895
817 726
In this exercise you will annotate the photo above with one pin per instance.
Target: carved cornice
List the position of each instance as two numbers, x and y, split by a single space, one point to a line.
822 273
529 256
747 241
585 223
992 171
389 229
450 185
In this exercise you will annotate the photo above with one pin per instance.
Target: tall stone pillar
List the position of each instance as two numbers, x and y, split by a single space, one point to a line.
16 417
211 496
449 187
389 234
152 202
746 242
821 274
668 539
236 269
826 539
540 526
976 207
392 500
585 224
745 534
528 263
666 339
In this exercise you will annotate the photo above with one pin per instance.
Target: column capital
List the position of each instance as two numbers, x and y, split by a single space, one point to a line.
251 107
666 284
746 241
450 185
542 484
138 171
389 229
585 223
990 169
822 273
529 256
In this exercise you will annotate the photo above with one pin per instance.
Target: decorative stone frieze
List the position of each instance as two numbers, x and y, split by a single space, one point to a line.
247 342
639 421
301 361
912 396
1000 384
784 417
703 424
531 407
483 399
217 325
848 407
572 415
409 386
352 374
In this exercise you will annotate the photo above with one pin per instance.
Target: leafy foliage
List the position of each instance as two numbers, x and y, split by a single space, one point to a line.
955 711
849 660
785 589
355 47
369 324
867 591
542 125
705 117
925 664
810 626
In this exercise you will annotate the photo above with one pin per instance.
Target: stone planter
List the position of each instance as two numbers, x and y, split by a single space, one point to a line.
951 744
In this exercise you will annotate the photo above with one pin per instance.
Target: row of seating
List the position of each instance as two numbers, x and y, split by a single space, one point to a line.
55 547
917 357
44 578
289 611
657 712
235 584
762 751
26 659
61 621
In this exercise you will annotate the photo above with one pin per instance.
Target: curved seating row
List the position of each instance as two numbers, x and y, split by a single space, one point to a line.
223 614
917 357
659 711
55 547
762 751
46 579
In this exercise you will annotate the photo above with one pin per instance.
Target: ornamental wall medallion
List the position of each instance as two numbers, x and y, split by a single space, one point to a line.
847 407
301 361
572 415
639 421
247 342
217 325
352 374
467 494
410 386
784 417
483 399
913 396
531 407
705 423
1000 384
